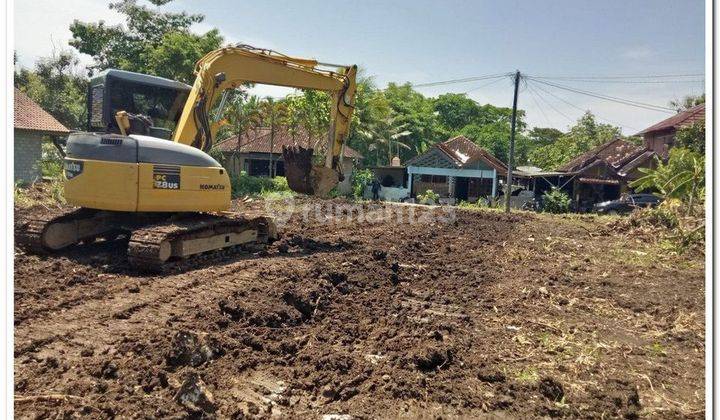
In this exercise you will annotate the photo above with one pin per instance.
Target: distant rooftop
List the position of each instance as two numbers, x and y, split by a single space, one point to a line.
681 119
30 116
257 140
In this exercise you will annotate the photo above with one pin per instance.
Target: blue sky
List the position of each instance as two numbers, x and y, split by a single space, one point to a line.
424 41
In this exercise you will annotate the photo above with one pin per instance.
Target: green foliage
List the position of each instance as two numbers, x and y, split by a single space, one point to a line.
540 136
57 84
682 177
244 185
428 197
692 137
151 41
556 201
359 179
51 163
687 102
583 136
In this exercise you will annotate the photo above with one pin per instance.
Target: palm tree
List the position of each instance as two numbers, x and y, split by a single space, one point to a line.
385 133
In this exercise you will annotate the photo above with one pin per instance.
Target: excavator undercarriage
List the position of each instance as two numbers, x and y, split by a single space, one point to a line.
154 238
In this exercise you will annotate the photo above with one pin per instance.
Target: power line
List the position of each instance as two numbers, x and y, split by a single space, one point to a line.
628 102
625 81
482 86
584 110
535 97
454 81
571 120
656 76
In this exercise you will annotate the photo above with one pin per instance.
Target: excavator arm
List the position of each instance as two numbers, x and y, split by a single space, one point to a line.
230 67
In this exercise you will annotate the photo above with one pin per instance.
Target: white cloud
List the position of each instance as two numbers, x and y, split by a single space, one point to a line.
637 53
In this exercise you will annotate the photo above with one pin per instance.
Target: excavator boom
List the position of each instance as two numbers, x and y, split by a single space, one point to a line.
231 67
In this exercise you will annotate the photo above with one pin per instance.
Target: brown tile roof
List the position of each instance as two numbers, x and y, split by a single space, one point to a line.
681 119
29 116
464 153
257 140
615 153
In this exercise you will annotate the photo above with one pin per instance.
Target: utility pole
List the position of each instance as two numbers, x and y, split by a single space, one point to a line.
511 152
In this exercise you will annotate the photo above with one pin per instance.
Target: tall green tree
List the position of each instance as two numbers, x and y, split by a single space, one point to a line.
586 134
151 41
58 84
541 136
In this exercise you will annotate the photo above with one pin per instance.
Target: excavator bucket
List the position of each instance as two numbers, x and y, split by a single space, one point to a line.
305 178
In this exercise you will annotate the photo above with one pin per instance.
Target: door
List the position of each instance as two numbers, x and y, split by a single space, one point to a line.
461 188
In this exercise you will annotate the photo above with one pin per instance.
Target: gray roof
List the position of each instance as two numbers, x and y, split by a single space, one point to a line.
144 79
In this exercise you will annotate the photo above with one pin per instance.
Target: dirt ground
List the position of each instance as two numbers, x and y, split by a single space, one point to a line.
480 315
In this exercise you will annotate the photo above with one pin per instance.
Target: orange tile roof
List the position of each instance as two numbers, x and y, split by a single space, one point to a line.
257 140
30 116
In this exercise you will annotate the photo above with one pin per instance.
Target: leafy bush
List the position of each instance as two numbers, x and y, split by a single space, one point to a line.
51 164
429 197
682 177
244 184
359 179
481 203
556 201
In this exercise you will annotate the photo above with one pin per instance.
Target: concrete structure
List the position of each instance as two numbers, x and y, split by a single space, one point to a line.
660 137
457 169
33 125
258 152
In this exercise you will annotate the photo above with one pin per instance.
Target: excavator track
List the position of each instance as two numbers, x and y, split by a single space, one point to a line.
36 233
183 237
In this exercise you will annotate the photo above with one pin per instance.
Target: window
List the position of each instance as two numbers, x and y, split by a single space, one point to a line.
434 179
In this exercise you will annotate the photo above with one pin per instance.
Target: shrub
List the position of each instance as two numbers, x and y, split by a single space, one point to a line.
51 164
244 184
556 201
359 179
429 197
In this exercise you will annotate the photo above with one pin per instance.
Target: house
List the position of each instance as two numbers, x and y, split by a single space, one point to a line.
33 125
258 152
602 173
457 169
661 136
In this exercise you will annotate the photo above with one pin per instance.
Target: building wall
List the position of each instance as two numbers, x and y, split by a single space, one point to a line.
660 142
27 155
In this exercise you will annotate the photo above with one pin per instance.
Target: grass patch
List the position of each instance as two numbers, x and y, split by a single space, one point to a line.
528 375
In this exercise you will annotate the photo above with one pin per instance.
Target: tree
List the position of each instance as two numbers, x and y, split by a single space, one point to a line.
540 136
59 86
456 111
687 102
387 134
151 41
583 136
418 112
692 137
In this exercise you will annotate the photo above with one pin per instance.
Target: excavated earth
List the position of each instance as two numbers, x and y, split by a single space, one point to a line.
355 313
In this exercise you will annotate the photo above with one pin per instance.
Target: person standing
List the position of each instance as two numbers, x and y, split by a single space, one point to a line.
375 189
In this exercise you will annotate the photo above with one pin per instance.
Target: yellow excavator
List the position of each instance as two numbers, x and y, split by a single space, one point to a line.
143 169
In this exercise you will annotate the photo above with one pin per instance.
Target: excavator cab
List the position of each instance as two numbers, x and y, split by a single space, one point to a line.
153 104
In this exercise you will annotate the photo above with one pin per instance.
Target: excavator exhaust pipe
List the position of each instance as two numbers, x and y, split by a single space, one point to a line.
305 178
